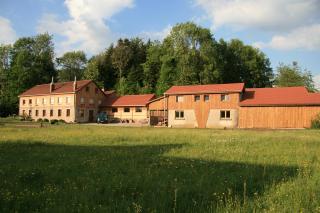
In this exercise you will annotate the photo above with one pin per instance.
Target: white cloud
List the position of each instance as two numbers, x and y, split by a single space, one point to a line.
272 15
316 80
86 29
301 38
156 35
7 33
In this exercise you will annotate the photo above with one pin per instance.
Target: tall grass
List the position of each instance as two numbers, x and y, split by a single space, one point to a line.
114 169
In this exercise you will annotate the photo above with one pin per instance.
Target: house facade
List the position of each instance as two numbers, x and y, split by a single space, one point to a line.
127 108
75 101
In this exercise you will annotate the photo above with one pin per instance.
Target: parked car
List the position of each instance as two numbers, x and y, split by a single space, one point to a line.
102 117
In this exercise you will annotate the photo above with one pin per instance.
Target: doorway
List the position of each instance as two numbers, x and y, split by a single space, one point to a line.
91 115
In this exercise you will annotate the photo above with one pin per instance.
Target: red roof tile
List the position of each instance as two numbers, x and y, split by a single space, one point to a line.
209 88
129 100
59 88
284 96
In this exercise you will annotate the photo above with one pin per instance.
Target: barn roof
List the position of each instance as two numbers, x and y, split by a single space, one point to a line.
129 100
59 88
284 96
209 88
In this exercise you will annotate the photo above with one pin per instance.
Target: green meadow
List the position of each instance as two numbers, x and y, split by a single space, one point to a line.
83 168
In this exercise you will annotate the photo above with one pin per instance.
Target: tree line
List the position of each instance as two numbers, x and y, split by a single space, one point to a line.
188 55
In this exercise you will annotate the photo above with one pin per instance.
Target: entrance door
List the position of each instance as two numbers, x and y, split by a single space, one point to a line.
91 115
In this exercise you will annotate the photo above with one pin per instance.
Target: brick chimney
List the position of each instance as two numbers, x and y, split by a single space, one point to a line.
51 85
75 83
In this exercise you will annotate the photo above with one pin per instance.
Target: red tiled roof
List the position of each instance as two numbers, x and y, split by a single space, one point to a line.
209 88
59 88
129 100
284 96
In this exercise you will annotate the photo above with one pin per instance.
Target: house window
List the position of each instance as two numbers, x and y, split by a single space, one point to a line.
91 101
37 101
126 109
87 89
44 101
179 98
59 100
43 113
68 100
138 109
196 98
114 109
81 113
206 98
59 112
23 112
51 100
68 112
224 97
82 100
51 112
30 112
37 112
30 101
23 102
179 115
96 90
225 115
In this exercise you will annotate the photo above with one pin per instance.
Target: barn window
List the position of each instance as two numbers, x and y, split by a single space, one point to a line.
196 98
126 109
224 97
179 98
225 114
206 98
114 109
138 109
179 115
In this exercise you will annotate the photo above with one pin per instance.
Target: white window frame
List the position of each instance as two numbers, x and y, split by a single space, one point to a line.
51 100
179 98
224 97
225 112
180 114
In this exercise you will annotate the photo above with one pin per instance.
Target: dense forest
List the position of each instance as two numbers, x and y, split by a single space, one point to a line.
188 55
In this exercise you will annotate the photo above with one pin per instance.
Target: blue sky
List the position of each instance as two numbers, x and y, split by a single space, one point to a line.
286 30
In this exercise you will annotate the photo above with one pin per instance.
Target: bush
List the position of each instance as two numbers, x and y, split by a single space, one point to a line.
315 123
62 121
54 121
45 120
25 117
39 120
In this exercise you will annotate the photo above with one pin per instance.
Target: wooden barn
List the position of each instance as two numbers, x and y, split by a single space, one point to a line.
234 106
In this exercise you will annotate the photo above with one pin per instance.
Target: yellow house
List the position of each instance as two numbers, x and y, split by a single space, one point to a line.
127 108
74 101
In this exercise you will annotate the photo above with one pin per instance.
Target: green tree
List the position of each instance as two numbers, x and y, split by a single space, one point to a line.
152 66
31 63
293 75
121 56
237 62
71 65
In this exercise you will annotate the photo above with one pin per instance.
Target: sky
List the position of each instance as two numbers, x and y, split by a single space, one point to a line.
285 30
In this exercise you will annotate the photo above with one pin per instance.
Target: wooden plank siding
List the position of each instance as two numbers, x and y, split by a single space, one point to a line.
277 116
201 108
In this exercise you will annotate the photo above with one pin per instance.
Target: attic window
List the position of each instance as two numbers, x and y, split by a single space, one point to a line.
196 98
224 97
179 98
206 98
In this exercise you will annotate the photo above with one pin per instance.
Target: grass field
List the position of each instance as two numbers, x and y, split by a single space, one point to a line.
112 169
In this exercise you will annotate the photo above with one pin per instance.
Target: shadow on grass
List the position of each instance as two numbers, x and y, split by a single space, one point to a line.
40 177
